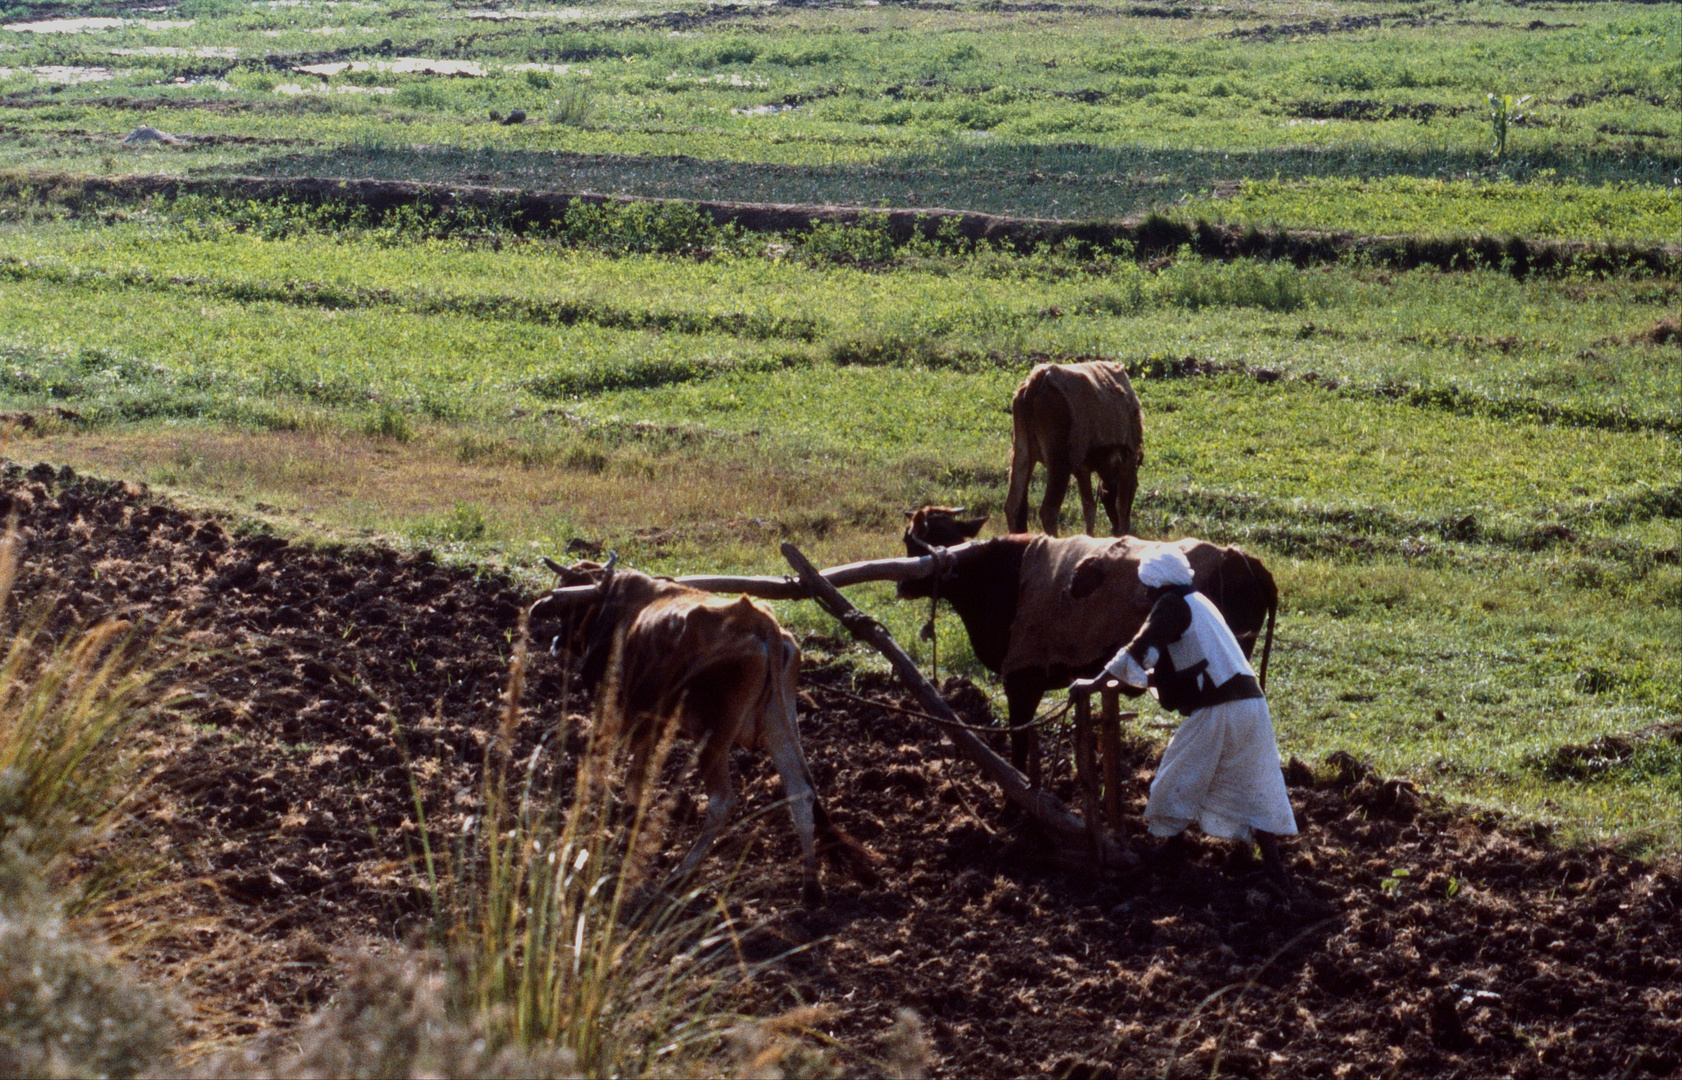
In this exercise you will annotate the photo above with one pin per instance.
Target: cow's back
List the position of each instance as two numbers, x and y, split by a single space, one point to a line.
685 641
1093 402
1079 598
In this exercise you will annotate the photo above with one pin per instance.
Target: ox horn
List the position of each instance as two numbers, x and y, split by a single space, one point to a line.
560 599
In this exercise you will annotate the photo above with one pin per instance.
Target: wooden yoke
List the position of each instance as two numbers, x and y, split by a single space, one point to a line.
1045 808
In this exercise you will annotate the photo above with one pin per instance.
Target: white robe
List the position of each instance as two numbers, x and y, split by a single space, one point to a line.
1221 770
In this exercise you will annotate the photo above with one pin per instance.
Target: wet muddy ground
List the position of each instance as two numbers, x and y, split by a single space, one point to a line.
1426 942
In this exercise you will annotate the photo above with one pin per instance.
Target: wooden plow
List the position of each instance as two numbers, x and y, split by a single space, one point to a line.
1097 747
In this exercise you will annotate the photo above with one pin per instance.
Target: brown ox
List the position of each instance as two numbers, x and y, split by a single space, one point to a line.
1077 419
1042 611
723 670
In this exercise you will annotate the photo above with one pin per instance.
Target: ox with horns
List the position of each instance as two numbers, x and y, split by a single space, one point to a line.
722 669
1042 611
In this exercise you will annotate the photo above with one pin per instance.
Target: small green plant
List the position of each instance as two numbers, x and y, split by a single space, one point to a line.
573 107
1503 111
464 523
389 422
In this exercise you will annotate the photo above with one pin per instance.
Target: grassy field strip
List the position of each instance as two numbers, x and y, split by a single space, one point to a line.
1048 179
1524 347
1308 451
439 364
1083 112
1479 710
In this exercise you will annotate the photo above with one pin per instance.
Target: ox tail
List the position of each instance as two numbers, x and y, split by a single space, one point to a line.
842 851
1271 591
1267 643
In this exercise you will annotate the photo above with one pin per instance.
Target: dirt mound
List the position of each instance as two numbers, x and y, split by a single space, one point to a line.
1426 942
1667 331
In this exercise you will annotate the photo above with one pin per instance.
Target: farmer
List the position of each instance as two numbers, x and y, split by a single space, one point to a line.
1221 769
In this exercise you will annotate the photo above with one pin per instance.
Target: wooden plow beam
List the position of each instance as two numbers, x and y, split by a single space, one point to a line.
1067 828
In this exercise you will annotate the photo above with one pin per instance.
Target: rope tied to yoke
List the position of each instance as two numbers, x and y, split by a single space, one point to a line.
859 624
1042 720
944 563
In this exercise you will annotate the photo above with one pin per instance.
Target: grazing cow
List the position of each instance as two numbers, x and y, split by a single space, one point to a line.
1042 611
1077 419
723 670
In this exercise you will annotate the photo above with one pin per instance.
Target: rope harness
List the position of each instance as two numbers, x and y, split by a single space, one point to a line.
1042 720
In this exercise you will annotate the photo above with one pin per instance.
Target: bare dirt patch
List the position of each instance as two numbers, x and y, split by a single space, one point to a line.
1428 942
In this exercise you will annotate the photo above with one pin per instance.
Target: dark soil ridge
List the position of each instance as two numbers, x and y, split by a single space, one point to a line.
1429 942
1151 236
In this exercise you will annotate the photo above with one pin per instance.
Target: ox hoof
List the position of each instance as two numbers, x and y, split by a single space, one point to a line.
812 894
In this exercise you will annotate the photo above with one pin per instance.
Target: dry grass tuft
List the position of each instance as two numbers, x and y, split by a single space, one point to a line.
409 1015
66 1008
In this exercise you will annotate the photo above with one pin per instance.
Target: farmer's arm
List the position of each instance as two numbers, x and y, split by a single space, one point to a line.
1131 665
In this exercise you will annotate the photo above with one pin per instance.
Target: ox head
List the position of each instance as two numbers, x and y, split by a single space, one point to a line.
576 605
931 529
938 527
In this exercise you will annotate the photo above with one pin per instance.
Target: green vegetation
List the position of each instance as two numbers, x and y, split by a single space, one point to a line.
1415 206
1095 111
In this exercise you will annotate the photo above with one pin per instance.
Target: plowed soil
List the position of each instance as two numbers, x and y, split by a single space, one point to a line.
334 682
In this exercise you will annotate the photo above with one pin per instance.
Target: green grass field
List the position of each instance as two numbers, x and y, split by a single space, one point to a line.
1466 482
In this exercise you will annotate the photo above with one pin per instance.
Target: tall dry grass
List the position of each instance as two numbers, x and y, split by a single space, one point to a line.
68 771
570 938
68 705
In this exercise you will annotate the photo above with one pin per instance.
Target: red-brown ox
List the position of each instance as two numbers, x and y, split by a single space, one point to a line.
1043 611
723 670
1077 419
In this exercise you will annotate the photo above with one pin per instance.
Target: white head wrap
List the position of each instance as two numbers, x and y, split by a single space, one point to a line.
1164 566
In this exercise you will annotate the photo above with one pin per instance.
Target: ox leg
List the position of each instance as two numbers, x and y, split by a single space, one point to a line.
1056 487
1023 691
721 799
1021 473
1117 487
1273 863
1088 506
786 755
